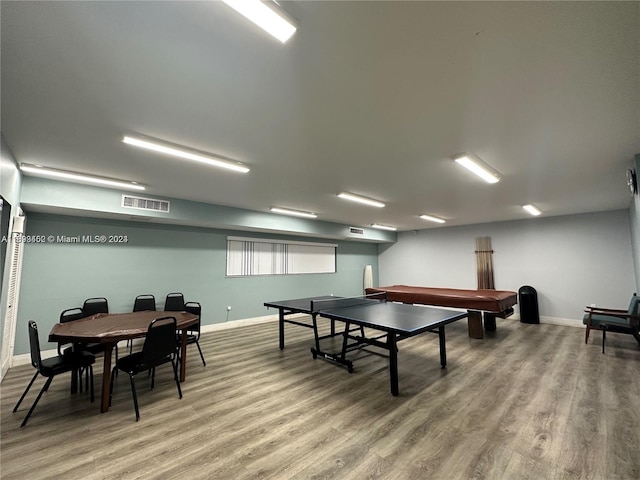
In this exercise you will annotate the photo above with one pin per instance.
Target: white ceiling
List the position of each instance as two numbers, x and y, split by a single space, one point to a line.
367 97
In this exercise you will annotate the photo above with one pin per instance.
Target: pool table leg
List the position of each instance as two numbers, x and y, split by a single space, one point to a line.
475 324
489 322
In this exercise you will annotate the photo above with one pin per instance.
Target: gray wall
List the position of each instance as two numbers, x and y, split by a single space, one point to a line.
160 259
571 261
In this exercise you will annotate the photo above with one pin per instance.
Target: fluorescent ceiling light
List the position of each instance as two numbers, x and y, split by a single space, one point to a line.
267 16
384 227
78 177
478 167
532 210
295 213
432 218
359 199
183 152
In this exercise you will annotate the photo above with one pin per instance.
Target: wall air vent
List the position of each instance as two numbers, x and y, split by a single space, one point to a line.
356 231
141 203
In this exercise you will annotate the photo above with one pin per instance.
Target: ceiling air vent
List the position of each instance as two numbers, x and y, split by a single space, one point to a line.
141 203
356 231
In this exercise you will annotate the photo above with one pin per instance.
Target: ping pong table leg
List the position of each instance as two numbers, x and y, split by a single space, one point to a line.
345 340
281 327
393 363
314 318
339 358
443 347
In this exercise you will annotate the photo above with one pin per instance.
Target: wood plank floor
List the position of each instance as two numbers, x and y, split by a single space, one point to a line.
529 401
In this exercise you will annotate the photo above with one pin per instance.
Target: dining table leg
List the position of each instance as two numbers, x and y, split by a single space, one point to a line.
183 356
76 373
106 377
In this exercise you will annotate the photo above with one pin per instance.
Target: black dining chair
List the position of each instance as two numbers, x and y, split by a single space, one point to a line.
90 307
140 304
77 313
95 305
174 302
50 367
159 348
193 331
144 302
70 315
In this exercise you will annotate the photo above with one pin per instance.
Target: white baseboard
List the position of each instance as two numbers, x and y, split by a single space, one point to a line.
25 358
565 322
4 368
214 327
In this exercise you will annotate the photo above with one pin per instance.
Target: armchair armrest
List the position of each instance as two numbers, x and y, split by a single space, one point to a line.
606 311
634 319
610 312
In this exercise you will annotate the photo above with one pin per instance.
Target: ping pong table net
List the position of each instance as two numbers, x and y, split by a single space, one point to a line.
345 302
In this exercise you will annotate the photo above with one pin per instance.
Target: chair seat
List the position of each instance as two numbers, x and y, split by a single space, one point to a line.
60 364
132 364
92 348
597 320
191 338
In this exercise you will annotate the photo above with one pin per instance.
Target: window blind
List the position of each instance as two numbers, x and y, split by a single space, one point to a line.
254 256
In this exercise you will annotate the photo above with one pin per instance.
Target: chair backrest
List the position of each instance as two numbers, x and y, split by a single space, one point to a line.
160 341
71 314
95 305
634 305
174 302
34 345
144 302
196 309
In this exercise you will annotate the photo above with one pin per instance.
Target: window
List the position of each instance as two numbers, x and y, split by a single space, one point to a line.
255 256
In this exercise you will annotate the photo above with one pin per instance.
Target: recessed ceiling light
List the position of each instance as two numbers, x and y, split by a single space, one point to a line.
295 213
477 166
533 210
384 227
431 218
40 171
359 199
183 152
267 15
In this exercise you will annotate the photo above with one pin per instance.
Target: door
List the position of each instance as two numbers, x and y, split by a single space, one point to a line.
13 290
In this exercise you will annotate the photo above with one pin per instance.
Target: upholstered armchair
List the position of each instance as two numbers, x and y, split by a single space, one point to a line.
614 320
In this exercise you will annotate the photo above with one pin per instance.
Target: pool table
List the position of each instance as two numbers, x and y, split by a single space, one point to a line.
479 303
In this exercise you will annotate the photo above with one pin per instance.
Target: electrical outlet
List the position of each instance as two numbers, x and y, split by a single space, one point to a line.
229 308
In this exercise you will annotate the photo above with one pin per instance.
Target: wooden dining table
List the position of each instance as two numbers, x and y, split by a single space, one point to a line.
111 328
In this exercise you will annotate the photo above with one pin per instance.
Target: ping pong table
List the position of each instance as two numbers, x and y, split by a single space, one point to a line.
396 321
